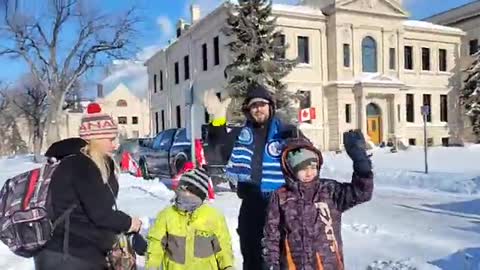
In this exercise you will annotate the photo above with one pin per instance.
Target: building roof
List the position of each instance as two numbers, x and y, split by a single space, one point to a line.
297 9
458 14
423 25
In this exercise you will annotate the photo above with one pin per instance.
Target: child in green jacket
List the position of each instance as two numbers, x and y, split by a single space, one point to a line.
190 234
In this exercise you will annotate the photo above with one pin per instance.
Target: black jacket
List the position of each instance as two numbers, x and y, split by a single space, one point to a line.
93 223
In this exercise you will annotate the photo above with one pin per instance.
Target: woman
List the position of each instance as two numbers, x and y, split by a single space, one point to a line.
85 181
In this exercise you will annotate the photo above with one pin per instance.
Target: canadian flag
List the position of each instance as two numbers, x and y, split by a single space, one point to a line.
129 165
306 114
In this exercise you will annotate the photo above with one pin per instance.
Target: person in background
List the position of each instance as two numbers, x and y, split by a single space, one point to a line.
190 234
303 227
254 161
85 182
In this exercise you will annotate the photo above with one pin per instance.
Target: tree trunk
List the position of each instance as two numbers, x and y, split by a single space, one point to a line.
37 148
53 119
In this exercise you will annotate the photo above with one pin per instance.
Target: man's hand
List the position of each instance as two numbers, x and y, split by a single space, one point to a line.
356 146
214 105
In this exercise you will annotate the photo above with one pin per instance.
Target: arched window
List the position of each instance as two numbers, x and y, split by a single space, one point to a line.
369 55
373 110
122 103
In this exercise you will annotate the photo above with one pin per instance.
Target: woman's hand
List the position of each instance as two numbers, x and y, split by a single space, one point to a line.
135 226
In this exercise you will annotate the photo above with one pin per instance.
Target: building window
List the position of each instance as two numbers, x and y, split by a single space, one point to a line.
216 51
305 101
163 120
154 83
392 57
369 55
430 142
122 103
177 75
425 59
410 108
186 67
408 54
412 141
346 55
473 46
445 141
135 120
348 113
442 60
161 80
427 101
399 113
279 47
443 108
179 117
205 56
303 50
156 122
122 120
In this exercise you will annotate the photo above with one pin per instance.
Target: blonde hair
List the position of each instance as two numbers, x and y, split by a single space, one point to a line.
100 159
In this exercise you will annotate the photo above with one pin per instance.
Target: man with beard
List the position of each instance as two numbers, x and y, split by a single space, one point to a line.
254 162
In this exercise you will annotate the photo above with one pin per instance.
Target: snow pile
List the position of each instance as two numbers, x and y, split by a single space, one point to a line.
405 169
430 26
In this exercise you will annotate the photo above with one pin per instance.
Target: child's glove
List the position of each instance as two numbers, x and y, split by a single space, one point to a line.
355 146
215 106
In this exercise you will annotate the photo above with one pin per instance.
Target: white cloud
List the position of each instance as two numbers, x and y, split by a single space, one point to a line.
165 24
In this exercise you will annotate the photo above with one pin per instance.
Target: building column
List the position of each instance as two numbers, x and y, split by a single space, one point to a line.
361 109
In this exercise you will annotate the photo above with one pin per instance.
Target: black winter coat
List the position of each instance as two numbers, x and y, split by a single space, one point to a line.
93 223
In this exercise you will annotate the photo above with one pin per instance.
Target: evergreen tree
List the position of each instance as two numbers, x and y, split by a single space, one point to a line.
258 56
470 95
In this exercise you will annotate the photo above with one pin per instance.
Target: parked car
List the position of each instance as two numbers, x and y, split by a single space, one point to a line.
165 154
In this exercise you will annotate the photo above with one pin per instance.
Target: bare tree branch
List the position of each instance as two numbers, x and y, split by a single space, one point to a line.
55 59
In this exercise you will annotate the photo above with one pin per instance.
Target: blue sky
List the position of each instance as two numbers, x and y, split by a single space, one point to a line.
159 17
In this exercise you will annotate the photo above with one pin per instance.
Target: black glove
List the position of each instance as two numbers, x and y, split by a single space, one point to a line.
355 146
139 244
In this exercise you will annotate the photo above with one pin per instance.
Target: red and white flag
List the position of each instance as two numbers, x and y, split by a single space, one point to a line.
307 114
128 164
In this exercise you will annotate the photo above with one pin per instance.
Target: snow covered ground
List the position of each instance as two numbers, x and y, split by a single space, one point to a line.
414 221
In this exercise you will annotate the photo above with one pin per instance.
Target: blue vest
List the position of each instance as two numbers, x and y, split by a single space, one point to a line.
239 166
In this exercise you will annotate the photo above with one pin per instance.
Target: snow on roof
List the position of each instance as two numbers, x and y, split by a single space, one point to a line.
297 9
376 78
430 26
370 78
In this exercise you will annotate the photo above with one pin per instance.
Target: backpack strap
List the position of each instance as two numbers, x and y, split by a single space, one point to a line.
64 218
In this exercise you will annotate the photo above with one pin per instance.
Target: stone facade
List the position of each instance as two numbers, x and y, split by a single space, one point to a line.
365 66
467 18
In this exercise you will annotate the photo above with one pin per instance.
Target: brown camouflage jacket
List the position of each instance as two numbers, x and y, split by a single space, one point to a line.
303 226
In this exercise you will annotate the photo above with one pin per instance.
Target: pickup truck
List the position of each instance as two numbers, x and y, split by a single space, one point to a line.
165 154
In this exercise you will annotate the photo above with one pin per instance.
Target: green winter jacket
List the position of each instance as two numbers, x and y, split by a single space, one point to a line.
189 241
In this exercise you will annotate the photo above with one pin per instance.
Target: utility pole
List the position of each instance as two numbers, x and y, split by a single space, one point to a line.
425 113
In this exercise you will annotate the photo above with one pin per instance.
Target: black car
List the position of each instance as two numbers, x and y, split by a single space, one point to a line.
164 155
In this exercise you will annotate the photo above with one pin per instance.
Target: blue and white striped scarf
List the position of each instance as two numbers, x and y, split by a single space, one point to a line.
239 166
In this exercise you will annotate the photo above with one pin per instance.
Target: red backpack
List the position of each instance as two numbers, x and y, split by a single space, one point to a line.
25 211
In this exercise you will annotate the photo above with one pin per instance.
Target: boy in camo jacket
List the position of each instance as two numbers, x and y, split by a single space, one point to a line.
303 226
